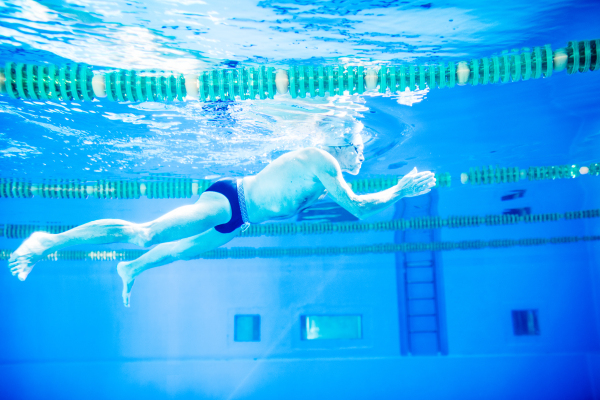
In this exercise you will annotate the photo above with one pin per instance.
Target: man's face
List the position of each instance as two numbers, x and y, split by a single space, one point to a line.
352 155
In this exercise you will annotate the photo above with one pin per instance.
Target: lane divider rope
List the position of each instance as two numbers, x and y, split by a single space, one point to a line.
177 188
23 231
277 252
78 82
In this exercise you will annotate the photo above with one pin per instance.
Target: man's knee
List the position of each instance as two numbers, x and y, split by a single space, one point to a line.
142 235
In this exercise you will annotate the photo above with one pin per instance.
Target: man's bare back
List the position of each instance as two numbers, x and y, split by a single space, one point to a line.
289 184
284 187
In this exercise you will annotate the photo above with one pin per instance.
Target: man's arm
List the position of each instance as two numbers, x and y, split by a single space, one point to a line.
327 169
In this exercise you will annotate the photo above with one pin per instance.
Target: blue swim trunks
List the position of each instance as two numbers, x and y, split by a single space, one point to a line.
233 189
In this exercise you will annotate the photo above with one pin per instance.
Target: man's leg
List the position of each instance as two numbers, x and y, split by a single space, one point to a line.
210 210
166 253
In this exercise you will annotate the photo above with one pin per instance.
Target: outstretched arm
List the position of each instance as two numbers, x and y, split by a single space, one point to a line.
329 173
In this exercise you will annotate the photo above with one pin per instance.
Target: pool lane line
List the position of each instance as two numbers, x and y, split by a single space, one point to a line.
22 231
278 252
78 82
178 188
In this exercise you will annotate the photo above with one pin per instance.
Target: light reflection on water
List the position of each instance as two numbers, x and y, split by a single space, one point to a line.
116 140
179 138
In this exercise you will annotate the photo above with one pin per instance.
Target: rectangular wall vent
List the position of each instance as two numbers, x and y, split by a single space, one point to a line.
331 327
246 328
525 322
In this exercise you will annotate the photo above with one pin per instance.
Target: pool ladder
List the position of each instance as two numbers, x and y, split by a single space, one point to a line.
421 308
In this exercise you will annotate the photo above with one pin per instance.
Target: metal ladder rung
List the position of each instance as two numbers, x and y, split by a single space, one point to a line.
420 286
427 331
419 264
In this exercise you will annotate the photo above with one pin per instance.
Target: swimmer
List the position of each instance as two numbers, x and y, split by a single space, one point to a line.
291 183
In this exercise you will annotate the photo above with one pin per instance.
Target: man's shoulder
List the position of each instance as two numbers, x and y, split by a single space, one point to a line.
312 158
315 153
318 160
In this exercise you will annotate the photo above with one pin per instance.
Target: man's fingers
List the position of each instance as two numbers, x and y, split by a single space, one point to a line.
412 172
424 178
419 177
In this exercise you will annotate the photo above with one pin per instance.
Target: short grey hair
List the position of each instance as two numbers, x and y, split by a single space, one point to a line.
338 131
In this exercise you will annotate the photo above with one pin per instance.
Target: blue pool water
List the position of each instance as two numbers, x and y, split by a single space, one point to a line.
476 315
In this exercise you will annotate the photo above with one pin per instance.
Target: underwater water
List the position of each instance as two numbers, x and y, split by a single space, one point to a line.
487 287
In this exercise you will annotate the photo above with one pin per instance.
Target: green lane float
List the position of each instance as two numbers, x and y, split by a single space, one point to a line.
493 175
22 231
283 229
172 188
383 182
179 188
48 82
77 82
278 252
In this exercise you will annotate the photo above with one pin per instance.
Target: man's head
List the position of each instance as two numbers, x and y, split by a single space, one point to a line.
343 140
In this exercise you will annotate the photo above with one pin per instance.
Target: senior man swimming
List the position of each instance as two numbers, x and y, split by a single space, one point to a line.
288 185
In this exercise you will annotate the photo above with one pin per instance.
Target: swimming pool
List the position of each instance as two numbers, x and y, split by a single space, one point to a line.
486 287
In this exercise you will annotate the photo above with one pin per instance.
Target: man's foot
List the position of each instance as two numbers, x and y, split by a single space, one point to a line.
125 272
32 250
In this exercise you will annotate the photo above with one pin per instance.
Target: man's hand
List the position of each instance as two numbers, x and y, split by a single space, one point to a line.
416 183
